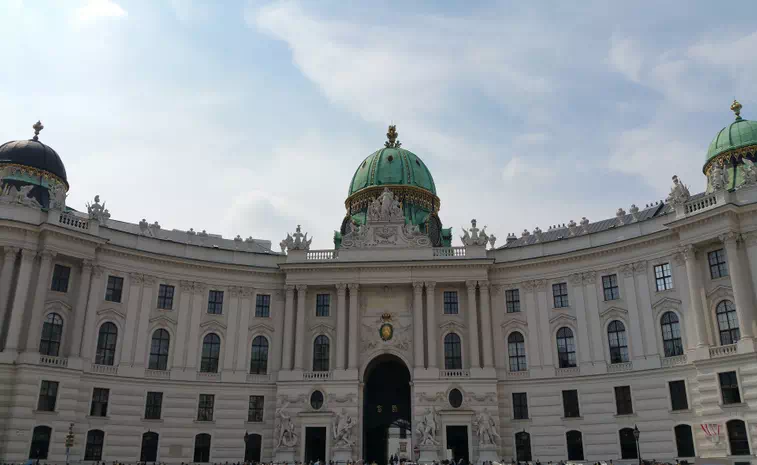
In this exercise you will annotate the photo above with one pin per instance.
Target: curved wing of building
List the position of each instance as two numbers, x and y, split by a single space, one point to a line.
626 338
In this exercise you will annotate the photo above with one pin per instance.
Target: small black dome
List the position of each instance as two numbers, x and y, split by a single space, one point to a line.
33 154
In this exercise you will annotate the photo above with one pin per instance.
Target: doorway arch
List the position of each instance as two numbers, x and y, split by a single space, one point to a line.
386 409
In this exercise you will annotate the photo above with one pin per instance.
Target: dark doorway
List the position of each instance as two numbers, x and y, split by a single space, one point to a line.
252 447
386 407
457 441
315 444
149 451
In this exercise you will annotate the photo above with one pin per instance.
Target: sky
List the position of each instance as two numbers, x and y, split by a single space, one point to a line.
250 117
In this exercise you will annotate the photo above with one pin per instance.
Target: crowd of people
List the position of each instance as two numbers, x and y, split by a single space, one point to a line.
393 460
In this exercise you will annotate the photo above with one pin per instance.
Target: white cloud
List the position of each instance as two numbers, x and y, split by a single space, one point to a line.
95 10
521 168
626 57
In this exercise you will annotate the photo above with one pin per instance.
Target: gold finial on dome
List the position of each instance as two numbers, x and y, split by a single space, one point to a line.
736 108
37 128
392 134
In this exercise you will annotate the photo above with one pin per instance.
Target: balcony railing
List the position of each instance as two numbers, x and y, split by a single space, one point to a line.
619 367
105 369
157 374
258 378
316 375
570 371
73 221
316 255
723 351
53 361
703 203
202 376
518 374
449 252
668 362
454 374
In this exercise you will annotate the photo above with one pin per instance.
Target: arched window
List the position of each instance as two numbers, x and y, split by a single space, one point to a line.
321 353
671 334
737 437
627 444
259 356
211 351
684 441
149 451
52 329
728 322
523 447
575 445
94 448
106 344
202 448
161 341
40 442
252 444
453 355
616 335
566 348
516 352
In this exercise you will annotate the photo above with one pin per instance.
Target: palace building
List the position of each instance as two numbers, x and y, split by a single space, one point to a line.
630 337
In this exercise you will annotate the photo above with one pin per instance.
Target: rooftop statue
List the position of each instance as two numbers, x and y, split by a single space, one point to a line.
719 177
296 241
679 193
20 195
475 238
98 212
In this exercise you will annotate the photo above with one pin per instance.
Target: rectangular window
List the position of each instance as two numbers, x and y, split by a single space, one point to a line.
570 404
99 407
450 303
623 400
678 398
165 297
48 394
718 265
153 405
255 409
205 407
610 286
520 406
115 289
61 274
215 302
322 302
512 300
560 295
263 305
729 388
663 277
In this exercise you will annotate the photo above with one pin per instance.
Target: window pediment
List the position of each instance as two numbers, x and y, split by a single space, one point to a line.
720 292
163 319
57 305
667 302
613 313
562 318
112 313
213 324
322 328
261 327
454 326
514 323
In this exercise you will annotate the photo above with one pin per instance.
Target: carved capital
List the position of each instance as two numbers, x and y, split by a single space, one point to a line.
418 287
186 286
47 255
247 291
86 266
149 280
430 286
540 285
590 277
483 285
640 267
341 288
11 252
688 252
496 289
234 291
576 279
679 258
353 286
750 238
528 286
627 270
97 271
136 278
301 289
289 290
729 239
28 254
471 285
200 287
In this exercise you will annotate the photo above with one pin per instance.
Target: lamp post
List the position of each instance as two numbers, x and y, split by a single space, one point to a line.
69 440
636 434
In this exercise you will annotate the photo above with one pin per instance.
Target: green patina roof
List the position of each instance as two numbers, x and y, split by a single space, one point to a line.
395 166
740 133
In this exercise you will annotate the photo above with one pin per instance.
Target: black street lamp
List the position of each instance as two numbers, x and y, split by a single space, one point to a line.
636 434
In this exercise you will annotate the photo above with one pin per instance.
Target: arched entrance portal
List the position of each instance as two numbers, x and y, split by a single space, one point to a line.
386 410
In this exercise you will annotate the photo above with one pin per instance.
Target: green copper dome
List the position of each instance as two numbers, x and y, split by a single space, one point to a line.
741 133
392 166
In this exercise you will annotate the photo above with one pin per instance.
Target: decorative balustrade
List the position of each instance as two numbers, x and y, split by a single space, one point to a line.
454 374
518 374
722 351
322 255
202 376
73 221
258 378
105 369
53 361
619 367
316 375
158 374
702 203
570 371
668 362
448 252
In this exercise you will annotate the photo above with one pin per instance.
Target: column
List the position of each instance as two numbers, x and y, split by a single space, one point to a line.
742 295
231 334
133 309
299 343
243 328
475 361
695 293
645 309
193 345
750 241
6 279
182 326
532 355
341 326
498 315
545 333
142 337
418 359
286 356
634 316
40 295
89 339
584 352
592 308
431 329
486 325
354 317
80 310
18 306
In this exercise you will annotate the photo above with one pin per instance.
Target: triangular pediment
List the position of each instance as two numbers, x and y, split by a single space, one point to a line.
452 325
57 304
614 312
163 319
111 312
261 327
213 324
720 292
322 328
514 323
667 302
562 318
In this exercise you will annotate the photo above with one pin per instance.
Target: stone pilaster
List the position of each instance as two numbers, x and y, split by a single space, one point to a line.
634 316
532 319
233 345
80 309
545 334
38 304
143 322
341 326
6 280
354 328
18 305
90 319
288 347
742 295
194 343
473 345
694 277
432 344
584 352
645 309
299 354
598 340
246 308
182 330
486 325
418 359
